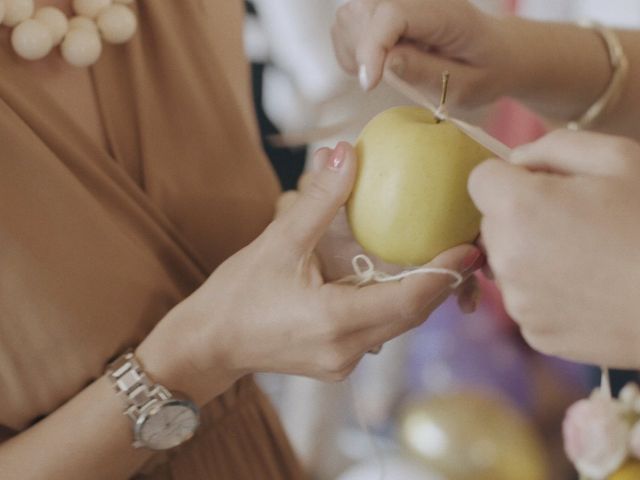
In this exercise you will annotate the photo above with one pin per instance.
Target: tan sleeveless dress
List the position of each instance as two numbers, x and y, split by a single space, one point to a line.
97 245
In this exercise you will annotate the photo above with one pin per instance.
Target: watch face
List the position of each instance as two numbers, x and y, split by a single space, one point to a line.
168 425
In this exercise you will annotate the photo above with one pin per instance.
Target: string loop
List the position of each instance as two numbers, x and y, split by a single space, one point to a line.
365 273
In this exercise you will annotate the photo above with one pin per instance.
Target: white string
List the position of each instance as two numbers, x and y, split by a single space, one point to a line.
476 133
441 113
365 273
292 139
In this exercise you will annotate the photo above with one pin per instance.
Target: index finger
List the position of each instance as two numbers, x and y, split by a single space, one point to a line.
386 27
498 187
579 153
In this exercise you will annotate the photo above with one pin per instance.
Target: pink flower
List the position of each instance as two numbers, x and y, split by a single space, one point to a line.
596 436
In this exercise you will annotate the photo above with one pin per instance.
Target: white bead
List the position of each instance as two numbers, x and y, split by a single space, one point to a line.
17 11
2 10
90 8
117 24
82 23
55 21
31 40
81 47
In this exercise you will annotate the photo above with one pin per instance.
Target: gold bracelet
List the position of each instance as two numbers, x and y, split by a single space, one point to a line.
619 74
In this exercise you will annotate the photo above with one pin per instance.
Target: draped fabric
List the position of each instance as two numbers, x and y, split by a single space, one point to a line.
97 244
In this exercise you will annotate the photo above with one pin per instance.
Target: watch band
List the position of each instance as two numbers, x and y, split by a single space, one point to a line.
134 386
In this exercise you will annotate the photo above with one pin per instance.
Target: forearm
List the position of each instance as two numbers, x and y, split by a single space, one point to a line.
88 437
560 70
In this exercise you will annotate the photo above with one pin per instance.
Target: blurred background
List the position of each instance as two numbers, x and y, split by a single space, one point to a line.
461 397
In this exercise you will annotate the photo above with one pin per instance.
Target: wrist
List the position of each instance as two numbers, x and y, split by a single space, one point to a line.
171 357
557 69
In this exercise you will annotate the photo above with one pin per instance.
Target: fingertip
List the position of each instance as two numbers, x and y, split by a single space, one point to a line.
368 78
463 259
520 155
480 175
320 158
348 153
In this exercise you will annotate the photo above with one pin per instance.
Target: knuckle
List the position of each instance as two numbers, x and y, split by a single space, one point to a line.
340 375
334 377
317 189
332 313
333 361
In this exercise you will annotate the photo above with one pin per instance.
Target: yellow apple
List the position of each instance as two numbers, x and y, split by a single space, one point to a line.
410 200
630 471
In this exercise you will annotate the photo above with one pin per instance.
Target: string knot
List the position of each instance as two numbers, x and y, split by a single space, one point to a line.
365 273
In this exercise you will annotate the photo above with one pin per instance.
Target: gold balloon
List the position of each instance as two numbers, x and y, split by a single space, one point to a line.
629 471
473 436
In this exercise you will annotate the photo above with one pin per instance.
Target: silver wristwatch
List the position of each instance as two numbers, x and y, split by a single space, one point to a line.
161 421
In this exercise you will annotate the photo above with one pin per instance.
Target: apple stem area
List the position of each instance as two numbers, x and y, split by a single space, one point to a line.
441 112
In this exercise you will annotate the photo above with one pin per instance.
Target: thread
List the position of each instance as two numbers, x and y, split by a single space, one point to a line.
313 135
365 273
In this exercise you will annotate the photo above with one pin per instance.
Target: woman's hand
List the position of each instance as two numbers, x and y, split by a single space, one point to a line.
337 247
269 309
562 230
419 40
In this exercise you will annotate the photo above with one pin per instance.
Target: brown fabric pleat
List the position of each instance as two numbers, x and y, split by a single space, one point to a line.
96 244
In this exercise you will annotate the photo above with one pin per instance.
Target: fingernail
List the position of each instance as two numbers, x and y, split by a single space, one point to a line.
337 158
363 76
398 65
472 262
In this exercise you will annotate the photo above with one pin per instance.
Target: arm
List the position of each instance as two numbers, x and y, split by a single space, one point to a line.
235 324
560 70
89 437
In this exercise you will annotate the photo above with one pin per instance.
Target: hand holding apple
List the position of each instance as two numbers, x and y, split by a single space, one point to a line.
561 228
336 249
